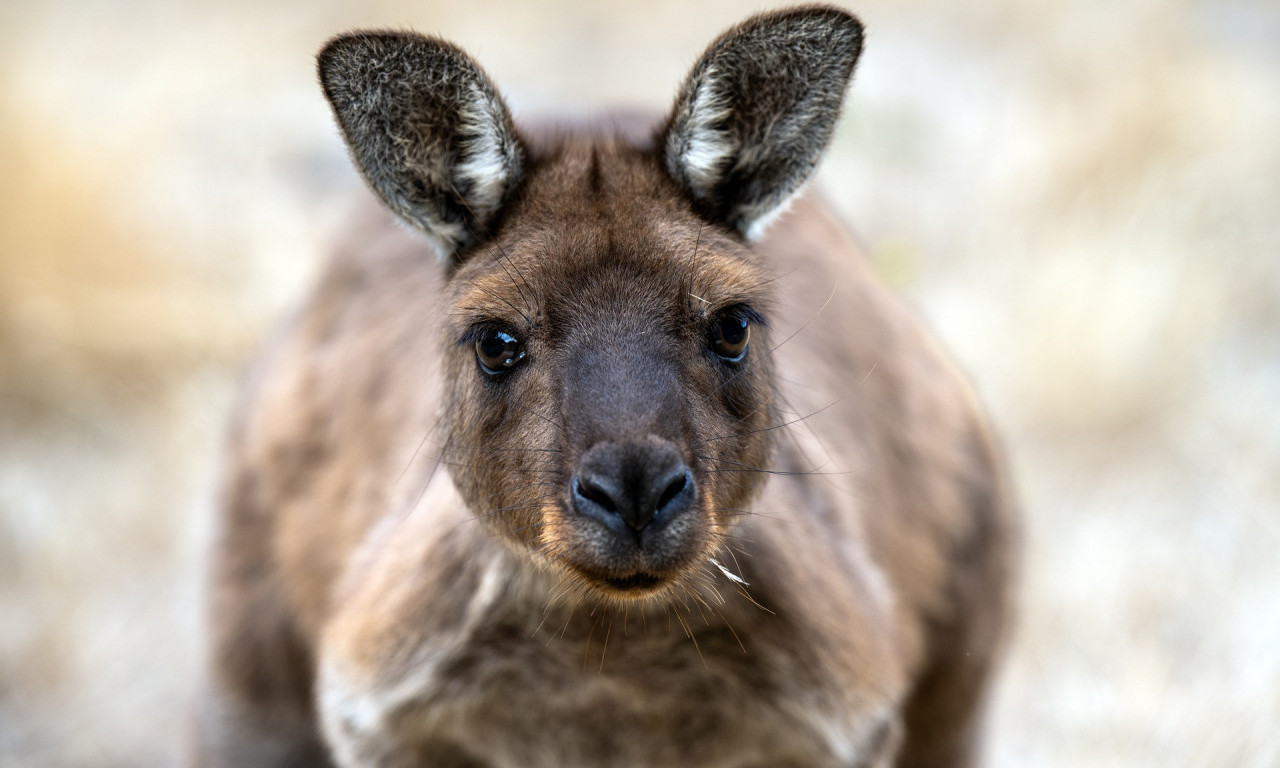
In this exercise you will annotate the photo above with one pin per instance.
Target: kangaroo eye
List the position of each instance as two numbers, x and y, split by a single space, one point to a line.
729 338
498 351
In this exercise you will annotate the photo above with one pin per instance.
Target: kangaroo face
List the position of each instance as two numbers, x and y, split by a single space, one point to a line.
609 388
609 383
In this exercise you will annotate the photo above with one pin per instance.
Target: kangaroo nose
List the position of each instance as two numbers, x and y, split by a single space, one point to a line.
632 486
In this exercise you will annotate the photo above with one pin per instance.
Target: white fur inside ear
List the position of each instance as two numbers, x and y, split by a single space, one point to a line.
764 218
485 170
705 148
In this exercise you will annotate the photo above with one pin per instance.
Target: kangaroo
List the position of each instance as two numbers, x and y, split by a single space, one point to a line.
644 470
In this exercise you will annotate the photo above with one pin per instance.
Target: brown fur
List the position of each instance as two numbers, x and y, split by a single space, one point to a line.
403 578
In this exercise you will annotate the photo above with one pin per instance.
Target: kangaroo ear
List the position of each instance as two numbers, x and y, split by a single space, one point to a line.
757 111
427 129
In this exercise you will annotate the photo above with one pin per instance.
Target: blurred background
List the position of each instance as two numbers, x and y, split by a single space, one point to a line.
1081 196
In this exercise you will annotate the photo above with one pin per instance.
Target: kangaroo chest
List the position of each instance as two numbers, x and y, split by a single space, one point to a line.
666 690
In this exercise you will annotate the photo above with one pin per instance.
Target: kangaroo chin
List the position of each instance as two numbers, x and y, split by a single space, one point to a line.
618 456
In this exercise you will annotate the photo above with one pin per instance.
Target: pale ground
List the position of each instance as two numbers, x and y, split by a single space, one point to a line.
1082 197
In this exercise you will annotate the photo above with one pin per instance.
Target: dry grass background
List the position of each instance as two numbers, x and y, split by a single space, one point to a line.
1083 197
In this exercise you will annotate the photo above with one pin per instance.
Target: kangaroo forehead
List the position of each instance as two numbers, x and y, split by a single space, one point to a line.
649 285
615 251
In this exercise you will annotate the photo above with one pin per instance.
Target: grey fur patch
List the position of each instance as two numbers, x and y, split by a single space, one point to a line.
757 111
427 129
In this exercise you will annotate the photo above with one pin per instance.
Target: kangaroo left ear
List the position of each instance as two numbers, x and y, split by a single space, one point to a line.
427 129
757 111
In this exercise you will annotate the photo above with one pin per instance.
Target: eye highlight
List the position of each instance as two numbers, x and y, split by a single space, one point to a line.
498 351
730 334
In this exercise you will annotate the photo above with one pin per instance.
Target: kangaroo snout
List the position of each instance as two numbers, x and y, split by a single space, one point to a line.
633 489
632 521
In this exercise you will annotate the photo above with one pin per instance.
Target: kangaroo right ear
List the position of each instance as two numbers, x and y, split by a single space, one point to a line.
427 129
757 111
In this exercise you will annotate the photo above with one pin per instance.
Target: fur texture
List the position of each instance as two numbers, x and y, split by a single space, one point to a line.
620 487
426 128
757 111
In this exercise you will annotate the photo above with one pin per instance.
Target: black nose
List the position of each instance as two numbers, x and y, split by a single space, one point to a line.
632 486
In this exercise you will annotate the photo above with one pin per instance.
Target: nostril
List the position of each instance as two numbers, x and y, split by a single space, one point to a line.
675 486
590 489
628 487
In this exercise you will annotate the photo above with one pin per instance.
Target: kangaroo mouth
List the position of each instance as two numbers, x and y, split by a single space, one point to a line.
636 582
639 583
621 567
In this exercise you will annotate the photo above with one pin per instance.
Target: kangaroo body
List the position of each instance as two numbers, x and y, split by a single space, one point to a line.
626 484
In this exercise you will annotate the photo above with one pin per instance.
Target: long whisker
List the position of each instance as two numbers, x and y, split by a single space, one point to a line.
504 255
493 451
743 512
767 429
524 297
414 456
605 650
586 650
740 467
753 361
498 297
689 633
468 465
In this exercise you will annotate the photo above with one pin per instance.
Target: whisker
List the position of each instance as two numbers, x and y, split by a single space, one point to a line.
605 650
505 255
492 451
734 557
523 296
753 361
548 419
767 429
532 470
739 512
728 574
463 200
768 280
586 650
565 628
689 634
546 614
414 456
732 631
742 591
493 295
782 472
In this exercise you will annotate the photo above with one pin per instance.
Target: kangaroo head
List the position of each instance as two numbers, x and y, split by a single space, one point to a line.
609 396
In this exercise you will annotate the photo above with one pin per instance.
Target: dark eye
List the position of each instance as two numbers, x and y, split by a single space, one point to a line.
729 337
498 351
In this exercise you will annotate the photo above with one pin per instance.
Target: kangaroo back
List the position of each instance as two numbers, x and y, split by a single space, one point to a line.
619 457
